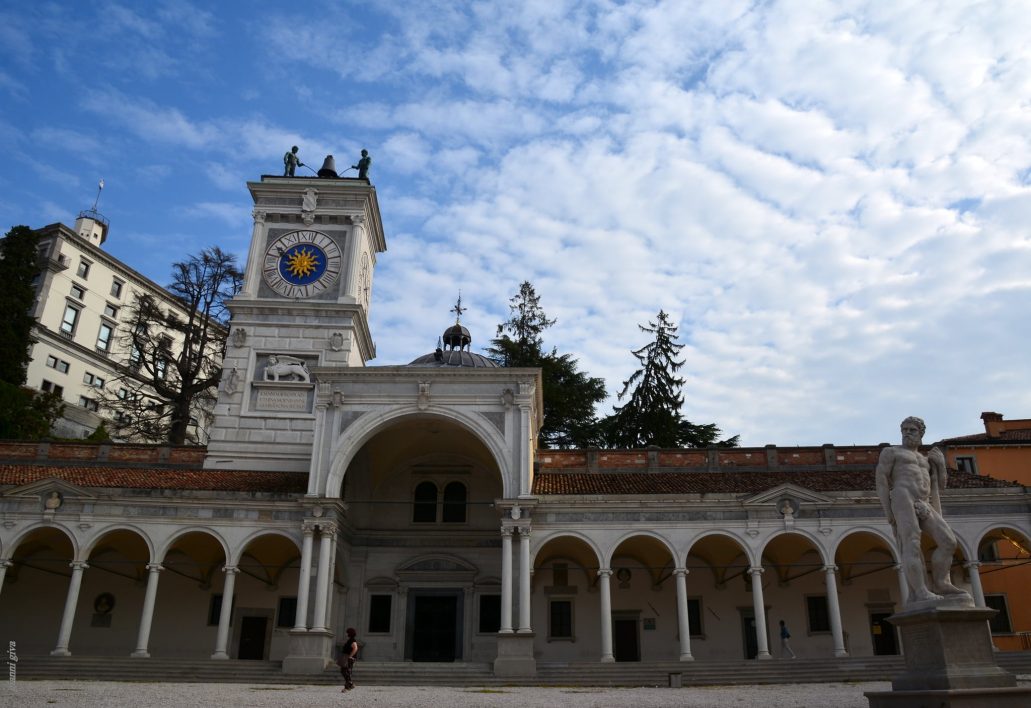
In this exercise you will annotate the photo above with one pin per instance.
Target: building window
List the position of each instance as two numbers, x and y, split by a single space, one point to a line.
287 613
93 380
1000 623
966 464
104 337
60 364
110 311
560 619
83 270
51 387
424 503
694 616
71 317
123 393
116 287
78 292
379 614
454 503
490 614
819 617
89 404
988 553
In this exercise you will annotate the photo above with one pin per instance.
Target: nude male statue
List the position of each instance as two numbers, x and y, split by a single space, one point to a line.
908 484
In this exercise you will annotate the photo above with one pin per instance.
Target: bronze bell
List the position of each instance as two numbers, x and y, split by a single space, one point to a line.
329 168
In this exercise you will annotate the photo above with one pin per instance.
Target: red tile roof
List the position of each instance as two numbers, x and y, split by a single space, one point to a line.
157 478
723 482
1006 436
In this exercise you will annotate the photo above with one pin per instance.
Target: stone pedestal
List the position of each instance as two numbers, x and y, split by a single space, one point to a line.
949 661
515 656
310 652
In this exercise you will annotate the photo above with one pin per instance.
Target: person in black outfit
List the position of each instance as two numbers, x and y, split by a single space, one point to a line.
347 658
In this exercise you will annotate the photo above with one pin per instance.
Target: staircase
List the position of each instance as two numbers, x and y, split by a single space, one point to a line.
695 673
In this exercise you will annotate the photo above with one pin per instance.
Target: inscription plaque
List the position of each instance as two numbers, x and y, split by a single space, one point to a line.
288 401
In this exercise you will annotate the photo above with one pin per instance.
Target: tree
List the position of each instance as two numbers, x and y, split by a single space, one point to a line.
160 389
569 395
26 414
652 415
19 265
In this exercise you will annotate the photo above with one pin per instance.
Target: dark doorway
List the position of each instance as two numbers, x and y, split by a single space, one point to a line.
624 640
885 643
748 633
434 626
252 637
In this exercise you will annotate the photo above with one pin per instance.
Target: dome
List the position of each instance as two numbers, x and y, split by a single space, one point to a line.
454 357
457 337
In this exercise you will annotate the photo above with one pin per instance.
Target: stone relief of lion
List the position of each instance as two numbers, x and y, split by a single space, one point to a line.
286 368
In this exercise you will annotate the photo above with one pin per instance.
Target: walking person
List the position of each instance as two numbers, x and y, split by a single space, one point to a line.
347 659
785 646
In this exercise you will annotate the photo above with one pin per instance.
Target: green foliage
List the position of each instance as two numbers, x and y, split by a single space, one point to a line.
19 264
652 415
569 395
100 434
26 414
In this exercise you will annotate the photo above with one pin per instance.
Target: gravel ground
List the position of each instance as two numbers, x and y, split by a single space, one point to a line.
106 693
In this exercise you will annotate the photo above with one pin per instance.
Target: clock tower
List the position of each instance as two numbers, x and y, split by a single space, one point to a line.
304 303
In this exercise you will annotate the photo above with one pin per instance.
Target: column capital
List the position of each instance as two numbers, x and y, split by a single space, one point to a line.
830 569
327 527
972 565
6 563
507 531
308 528
604 572
681 571
524 531
756 570
155 567
258 215
78 565
358 219
230 569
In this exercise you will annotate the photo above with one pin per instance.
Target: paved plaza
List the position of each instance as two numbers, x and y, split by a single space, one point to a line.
82 694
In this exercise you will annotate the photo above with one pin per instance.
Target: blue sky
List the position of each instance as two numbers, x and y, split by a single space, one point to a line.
831 199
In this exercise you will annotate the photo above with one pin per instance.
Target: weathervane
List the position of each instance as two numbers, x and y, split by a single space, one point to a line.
458 309
100 186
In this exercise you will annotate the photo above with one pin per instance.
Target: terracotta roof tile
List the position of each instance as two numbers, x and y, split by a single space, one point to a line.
723 482
157 478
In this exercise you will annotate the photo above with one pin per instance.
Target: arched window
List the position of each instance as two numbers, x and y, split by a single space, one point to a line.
454 502
424 504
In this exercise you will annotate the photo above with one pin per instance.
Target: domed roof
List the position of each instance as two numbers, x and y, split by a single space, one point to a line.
453 348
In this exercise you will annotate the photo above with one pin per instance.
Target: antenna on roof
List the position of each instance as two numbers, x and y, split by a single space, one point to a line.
100 187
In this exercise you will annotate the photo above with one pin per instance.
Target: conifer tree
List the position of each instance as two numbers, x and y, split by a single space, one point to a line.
19 264
569 395
652 415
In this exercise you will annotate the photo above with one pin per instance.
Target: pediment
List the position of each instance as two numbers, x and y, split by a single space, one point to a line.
42 488
773 494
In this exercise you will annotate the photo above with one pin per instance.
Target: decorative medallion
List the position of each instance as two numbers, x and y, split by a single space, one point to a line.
301 263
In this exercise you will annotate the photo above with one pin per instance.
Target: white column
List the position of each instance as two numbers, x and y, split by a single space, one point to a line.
304 580
903 584
4 565
354 249
330 588
322 581
524 580
143 638
606 614
257 253
64 636
973 567
222 637
831 577
683 621
759 608
506 581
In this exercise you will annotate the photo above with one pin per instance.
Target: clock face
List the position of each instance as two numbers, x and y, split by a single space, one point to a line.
301 263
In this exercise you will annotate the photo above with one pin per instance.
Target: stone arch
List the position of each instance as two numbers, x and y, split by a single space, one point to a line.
998 532
539 559
21 536
646 547
347 445
537 544
179 533
746 549
666 543
234 557
889 541
90 545
807 535
719 560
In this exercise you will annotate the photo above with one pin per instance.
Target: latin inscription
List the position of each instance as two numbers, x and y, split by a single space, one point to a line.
290 401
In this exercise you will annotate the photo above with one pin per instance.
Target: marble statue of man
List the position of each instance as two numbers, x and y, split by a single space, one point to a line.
908 484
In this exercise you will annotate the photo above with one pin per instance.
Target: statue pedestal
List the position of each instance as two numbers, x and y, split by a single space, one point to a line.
310 652
950 661
515 656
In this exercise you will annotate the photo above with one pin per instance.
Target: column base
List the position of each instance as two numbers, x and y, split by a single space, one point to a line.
310 652
608 660
140 654
763 656
515 656
219 655
60 652
840 653
686 657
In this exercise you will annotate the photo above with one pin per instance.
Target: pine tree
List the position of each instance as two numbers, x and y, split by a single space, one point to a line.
652 415
569 395
19 265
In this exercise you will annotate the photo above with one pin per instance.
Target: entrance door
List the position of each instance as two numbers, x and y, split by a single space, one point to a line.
624 640
884 640
751 642
435 628
252 637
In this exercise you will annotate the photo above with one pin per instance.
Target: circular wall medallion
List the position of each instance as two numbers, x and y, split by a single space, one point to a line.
301 263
